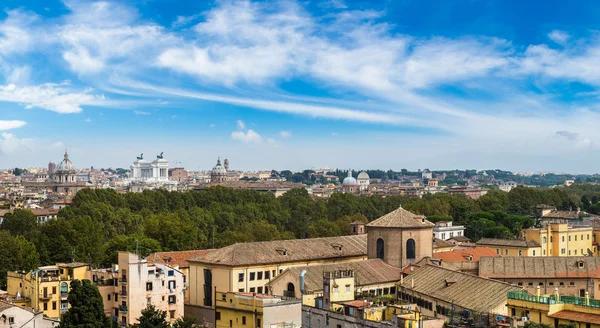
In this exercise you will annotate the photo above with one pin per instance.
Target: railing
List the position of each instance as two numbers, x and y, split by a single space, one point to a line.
123 309
123 280
524 296
123 292
45 296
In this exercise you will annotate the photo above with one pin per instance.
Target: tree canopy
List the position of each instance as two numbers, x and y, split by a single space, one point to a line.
86 307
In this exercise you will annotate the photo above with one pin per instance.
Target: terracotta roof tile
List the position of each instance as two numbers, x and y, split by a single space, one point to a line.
577 316
507 242
401 218
176 258
432 281
540 267
462 255
278 251
437 243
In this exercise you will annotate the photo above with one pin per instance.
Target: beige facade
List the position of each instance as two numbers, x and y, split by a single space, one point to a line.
252 310
12 316
131 285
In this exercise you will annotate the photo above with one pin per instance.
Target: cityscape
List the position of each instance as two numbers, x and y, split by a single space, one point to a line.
299 164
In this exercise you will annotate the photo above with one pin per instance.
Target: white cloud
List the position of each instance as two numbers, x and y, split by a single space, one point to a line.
184 20
247 137
241 124
559 37
336 4
10 143
88 120
285 134
141 112
9 125
58 98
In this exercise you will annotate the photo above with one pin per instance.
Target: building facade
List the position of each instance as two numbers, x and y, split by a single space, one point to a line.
562 239
45 289
235 309
13 316
445 230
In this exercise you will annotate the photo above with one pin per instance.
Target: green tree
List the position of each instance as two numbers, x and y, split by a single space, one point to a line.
152 318
87 307
185 322
20 222
16 253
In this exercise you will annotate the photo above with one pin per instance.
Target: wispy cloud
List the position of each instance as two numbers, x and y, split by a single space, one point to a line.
559 37
13 124
58 98
241 124
285 134
141 112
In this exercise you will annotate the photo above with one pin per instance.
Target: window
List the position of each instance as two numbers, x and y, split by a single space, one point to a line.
569 238
541 284
54 305
172 314
393 290
241 290
561 283
569 252
563 239
172 299
240 277
550 238
571 284
218 316
520 253
386 291
258 323
171 273
506 252
252 289
588 236
451 234
444 235
259 290
347 288
267 275
266 290
411 249
550 284
581 237
562 251
580 264
498 251
148 286
280 271
520 284
533 252
53 289
380 249
273 273
336 289
575 237
543 240
260 275
11 320
575 252
529 284
108 296
244 320
45 306
149 301
252 276
544 252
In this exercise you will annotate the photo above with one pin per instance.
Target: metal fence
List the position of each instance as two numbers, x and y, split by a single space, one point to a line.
524 296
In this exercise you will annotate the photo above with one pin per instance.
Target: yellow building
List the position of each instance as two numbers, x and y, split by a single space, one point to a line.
554 310
234 309
512 247
46 289
560 239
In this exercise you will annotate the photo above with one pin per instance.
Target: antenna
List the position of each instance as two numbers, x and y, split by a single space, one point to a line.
73 255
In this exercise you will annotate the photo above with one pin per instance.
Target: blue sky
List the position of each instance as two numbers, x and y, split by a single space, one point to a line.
297 84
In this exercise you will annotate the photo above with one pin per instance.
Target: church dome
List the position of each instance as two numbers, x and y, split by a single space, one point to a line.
219 169
349 180
66 164
363 176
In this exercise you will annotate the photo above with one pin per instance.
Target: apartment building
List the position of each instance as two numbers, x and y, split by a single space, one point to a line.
12 316
45 289
131 285
563 239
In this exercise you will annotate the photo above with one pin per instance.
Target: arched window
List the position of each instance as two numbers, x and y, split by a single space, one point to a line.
543 240
64 288
411 252
290 287
380 249
290 291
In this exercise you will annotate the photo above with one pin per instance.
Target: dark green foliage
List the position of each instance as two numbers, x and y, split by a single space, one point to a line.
152 318
16 253
87 307
101 222
185 322
531 324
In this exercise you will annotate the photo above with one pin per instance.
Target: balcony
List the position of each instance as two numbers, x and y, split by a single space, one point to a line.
554 299
123 292
123 309
45 297
123 280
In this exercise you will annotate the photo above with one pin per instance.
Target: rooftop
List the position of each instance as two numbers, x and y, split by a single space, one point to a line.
366 272
438 243
463 255
508 242
434 282
71 265
540 267
176 258
280 251
577 316
401 218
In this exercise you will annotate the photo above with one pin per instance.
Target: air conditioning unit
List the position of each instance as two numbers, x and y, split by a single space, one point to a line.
524 319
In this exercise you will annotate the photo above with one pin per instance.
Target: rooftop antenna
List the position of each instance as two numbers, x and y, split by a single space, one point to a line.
73 255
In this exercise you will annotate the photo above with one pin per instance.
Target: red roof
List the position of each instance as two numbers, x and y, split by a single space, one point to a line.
176 258
577 316
462 255
357 303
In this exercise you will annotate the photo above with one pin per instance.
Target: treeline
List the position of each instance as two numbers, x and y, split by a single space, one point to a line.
101 222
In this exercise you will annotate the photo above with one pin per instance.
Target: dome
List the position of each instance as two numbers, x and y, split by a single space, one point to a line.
363 176
349 180
219 169
66 164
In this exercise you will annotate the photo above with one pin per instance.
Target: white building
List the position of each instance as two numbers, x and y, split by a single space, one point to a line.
426 174
363 180
507 186
15 316
150 175
445 230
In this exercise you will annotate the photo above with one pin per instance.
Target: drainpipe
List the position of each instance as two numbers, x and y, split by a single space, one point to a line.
302 274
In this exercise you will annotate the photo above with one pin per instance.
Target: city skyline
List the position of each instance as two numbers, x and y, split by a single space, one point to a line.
295 85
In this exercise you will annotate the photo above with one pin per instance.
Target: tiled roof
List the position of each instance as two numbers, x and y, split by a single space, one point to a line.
539 267
437 243
571 215
71 265
279 251
577 316
5 305
462 255
367 272
176 258
401 218
461 239
508 242
463 289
